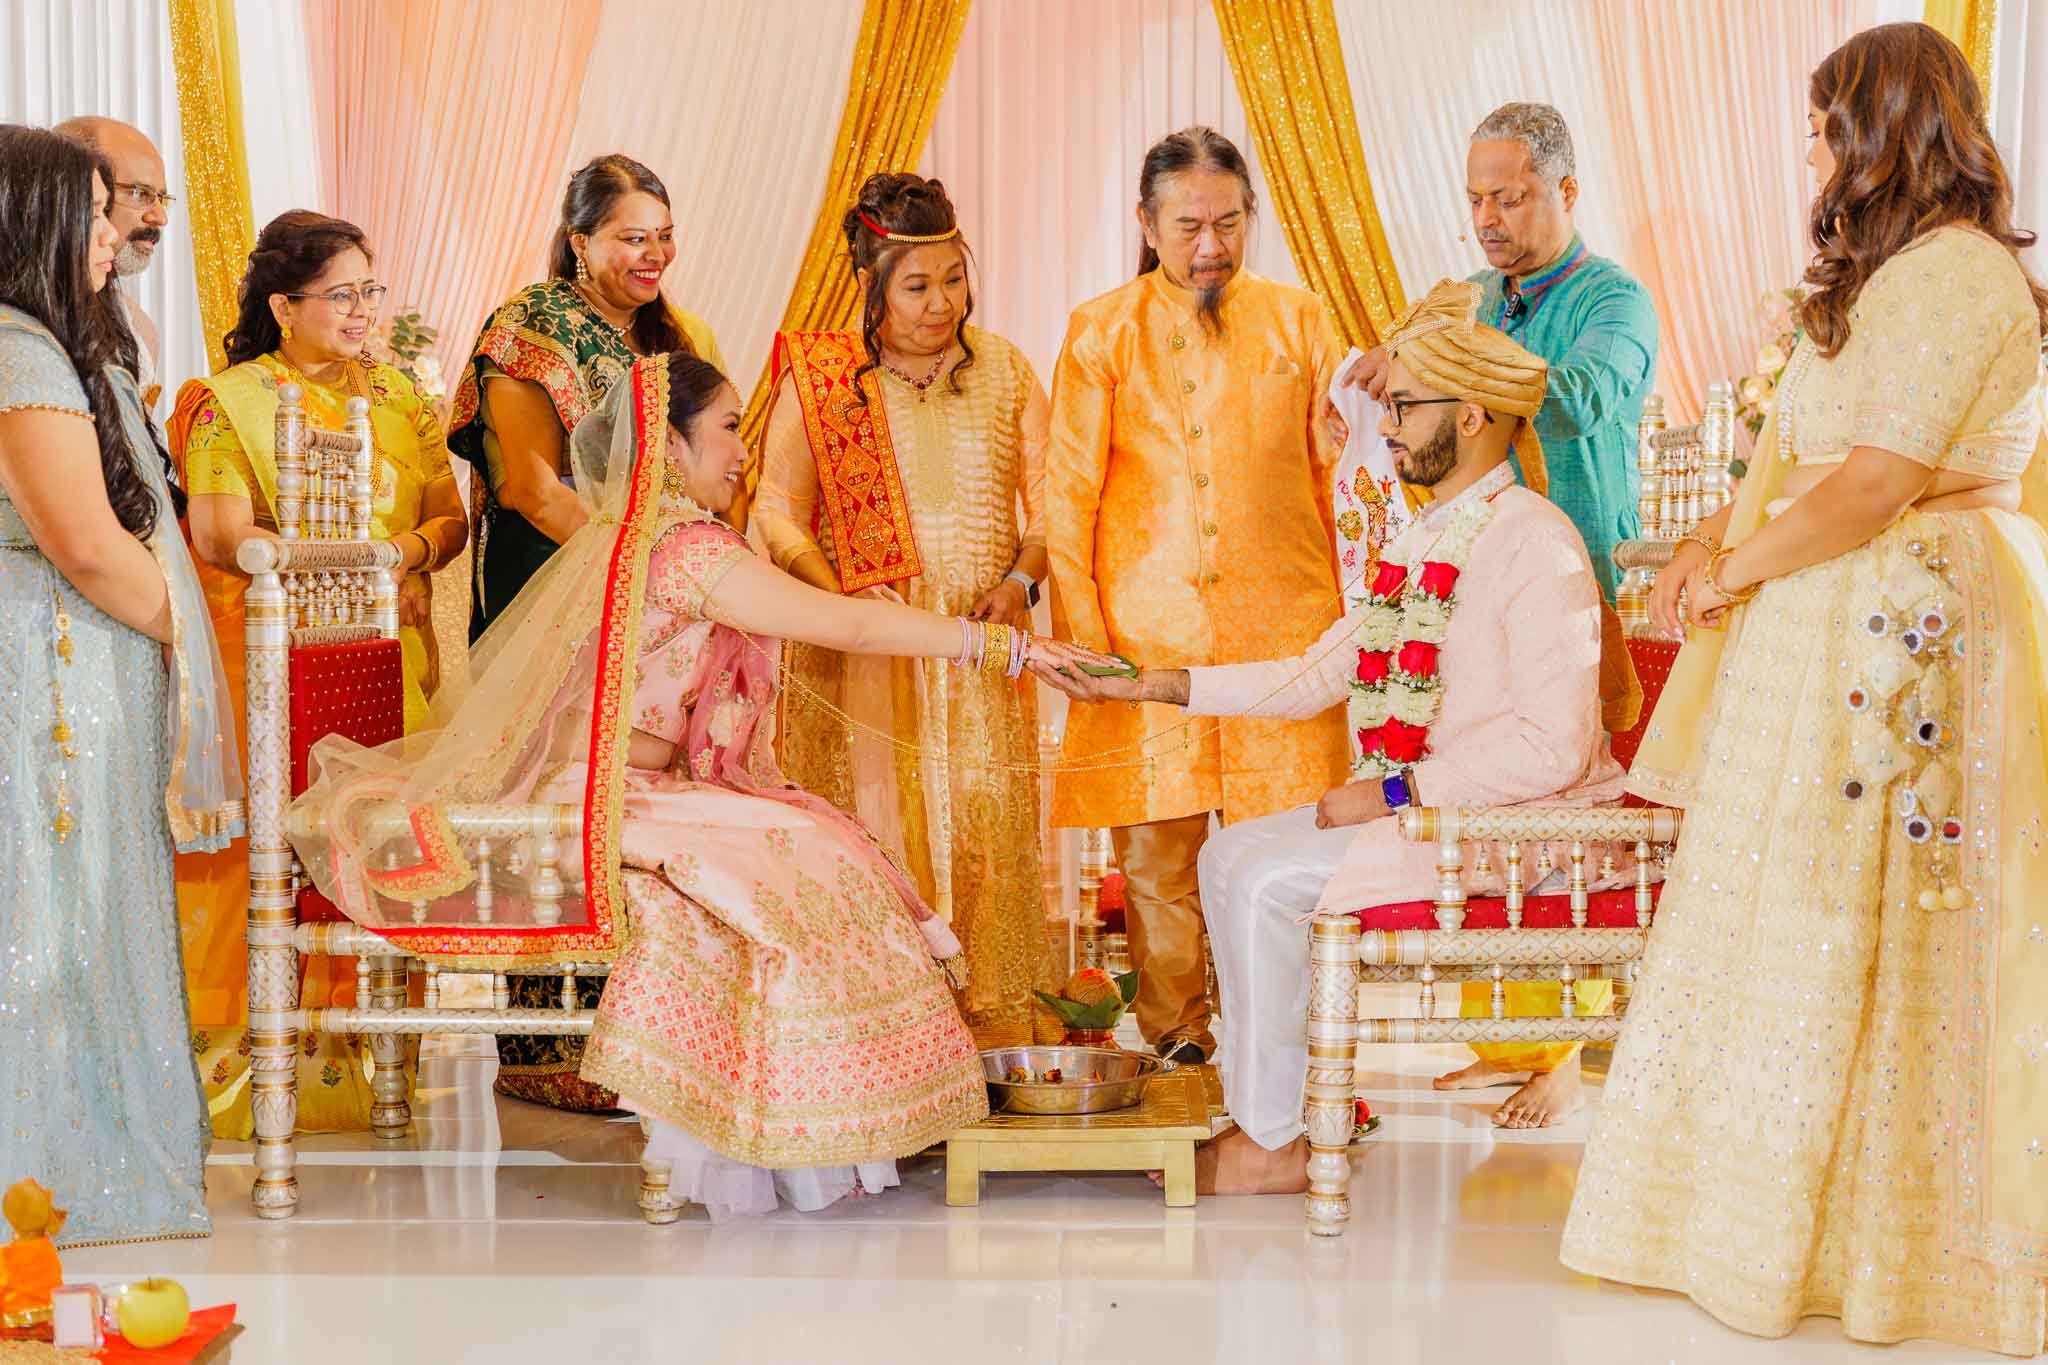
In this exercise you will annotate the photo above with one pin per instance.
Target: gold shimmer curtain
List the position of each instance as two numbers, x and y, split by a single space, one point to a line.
1971 25
1289 66
216 164
900 64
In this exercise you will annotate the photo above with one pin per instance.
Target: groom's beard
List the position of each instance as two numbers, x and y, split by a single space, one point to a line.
1433 463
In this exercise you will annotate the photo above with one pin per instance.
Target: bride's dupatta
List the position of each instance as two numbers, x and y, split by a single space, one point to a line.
553 683
1668 763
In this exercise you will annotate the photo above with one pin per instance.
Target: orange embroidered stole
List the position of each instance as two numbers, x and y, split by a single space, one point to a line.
860 488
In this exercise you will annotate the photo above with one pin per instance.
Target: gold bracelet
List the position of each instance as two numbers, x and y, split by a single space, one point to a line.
1696 537
996 658
1735 599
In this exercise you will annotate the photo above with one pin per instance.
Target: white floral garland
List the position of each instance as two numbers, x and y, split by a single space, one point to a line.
1408 605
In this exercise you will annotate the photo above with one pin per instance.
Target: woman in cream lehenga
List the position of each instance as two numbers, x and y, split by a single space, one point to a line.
955 422
1831 1094
777 1010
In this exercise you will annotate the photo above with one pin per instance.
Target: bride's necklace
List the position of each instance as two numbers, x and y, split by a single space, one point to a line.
922 386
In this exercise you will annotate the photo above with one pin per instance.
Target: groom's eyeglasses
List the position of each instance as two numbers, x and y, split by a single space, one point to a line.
1400 406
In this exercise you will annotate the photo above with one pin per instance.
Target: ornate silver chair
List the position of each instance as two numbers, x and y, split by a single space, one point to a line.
1685 480
324 658
1577 935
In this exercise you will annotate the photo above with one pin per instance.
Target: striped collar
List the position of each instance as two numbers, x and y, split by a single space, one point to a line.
1517 303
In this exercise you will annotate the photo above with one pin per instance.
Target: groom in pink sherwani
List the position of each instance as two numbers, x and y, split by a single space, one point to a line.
1519 716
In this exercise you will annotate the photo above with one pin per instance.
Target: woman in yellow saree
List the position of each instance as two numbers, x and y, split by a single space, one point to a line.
1831 1094
308 304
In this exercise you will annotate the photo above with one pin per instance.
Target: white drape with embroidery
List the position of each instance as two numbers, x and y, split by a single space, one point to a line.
1040 137
63 58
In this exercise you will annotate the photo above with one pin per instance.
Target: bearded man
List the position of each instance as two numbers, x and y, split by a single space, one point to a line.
139 209
1189 521
1526 610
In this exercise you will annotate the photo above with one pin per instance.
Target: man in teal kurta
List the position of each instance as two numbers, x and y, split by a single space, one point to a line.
1582 313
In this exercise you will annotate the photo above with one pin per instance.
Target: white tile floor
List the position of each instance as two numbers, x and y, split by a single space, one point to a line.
501 1233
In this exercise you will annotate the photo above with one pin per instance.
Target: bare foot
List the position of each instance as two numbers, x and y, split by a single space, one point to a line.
1546 1101
1477 1076
1234 1164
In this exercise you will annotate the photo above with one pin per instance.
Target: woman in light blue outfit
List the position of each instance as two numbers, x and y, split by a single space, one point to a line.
112 740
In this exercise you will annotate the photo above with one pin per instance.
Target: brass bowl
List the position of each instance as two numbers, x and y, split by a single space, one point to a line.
1122 1085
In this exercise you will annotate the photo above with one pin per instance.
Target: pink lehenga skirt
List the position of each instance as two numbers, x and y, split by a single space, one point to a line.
777 1001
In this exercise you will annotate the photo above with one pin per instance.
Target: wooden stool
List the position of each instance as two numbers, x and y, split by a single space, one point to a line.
1158 1134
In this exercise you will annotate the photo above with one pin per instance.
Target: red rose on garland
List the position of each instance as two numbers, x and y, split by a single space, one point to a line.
1369 741
1374 665
1388 578
1438 578
1418 659
1402 742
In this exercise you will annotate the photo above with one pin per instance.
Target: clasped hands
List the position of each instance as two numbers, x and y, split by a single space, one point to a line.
1354 803
1685 594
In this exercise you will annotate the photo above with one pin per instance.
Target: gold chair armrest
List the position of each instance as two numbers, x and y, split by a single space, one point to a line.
1539 823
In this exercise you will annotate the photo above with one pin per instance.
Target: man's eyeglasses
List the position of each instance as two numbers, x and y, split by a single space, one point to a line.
145 197
1399 406
345 299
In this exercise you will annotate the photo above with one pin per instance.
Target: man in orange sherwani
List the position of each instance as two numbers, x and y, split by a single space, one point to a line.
1189 523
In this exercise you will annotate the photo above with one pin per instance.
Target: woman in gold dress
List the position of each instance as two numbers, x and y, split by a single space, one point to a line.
896 463
308 303
1831 1095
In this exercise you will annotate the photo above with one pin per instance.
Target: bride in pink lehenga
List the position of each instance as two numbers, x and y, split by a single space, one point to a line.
778 1007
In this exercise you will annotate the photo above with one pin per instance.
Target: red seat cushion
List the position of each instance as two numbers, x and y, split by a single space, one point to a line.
1653 660
355 690
1604 910
1607 910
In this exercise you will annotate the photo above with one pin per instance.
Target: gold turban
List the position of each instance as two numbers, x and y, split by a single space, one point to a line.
1443 344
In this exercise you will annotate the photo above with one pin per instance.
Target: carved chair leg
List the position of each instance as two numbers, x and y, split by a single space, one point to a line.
390 1113
274 1065
1332 1071
657 1206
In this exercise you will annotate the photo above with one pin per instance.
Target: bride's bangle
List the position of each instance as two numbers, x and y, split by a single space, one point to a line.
1714 564
1705 542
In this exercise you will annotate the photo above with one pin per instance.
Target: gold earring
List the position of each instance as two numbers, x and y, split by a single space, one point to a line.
284 331
582 271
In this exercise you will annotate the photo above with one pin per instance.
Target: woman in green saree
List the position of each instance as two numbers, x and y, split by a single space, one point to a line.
545 359
550 354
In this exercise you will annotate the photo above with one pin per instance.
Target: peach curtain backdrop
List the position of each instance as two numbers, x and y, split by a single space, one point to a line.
443 125
737 115
1690 127
1040 136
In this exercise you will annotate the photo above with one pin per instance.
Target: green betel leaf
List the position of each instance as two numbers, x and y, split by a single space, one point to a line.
1071 1013
1102 1014
1122 668
1127 987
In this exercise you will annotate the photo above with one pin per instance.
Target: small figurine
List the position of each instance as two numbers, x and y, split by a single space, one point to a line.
29 1271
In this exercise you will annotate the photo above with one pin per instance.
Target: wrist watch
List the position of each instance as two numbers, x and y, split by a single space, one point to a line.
1399 789
1026 582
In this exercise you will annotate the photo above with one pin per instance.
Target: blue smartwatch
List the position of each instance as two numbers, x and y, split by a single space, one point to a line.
1395 787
